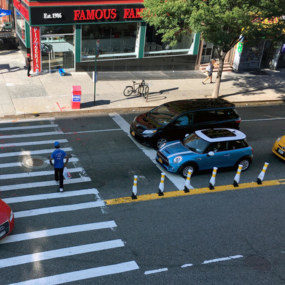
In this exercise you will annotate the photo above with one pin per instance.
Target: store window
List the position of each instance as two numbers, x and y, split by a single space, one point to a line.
155 46
57 47
20 27
116 40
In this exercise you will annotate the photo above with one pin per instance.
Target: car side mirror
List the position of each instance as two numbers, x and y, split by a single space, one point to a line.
211 153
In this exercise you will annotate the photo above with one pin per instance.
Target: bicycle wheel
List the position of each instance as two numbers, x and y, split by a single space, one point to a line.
128 91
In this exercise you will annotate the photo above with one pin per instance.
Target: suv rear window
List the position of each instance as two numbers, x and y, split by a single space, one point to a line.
226 114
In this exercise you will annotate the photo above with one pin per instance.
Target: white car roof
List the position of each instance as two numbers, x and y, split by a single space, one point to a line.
237 135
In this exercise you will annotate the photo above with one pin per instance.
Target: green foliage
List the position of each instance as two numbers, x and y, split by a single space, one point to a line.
220 22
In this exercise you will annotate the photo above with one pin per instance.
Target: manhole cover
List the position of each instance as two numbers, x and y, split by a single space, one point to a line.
258 263
35 162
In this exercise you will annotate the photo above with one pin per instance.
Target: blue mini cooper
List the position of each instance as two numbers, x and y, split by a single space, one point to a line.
205 149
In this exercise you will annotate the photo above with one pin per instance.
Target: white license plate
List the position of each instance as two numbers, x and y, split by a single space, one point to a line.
280 151
2 233
133 134
160 160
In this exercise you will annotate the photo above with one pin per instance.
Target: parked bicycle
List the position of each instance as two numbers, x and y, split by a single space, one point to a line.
142 89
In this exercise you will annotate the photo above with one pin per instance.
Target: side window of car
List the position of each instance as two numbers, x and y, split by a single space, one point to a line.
226 114
236 144
216 147
185 120
204 116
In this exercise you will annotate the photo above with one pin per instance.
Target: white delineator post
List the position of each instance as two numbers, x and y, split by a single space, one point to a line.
213 179
187 185
262 173
161 185
237 176
135 188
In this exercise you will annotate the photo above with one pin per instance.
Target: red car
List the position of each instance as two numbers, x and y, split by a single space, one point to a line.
6 219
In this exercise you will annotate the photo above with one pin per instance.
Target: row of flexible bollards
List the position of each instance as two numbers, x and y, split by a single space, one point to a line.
187 185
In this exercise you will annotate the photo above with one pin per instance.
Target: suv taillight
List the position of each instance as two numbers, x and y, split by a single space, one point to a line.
251 149
238 121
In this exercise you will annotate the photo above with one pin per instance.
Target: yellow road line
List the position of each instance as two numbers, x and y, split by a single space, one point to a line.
181 193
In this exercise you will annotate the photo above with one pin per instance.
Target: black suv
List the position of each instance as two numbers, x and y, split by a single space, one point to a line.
173 120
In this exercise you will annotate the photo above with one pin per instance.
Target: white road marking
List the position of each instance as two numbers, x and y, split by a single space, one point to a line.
151 153
58 231
63 252
186 265
222 259
28 127
93 131
32 152
19 164
57 209
156 271
43 184
15 121
31 143
36 173
32 135
51 196
82 274
268 119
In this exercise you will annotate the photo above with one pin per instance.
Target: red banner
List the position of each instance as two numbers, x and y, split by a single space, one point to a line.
36 49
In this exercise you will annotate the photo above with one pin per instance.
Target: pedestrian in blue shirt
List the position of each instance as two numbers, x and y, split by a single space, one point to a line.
58 156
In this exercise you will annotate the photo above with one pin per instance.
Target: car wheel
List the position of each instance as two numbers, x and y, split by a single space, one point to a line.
160 142
245 162
184 169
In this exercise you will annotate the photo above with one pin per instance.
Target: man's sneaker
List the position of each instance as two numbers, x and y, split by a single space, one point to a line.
60 189
57 182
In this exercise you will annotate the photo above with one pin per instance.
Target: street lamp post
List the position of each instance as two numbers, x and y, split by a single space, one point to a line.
95 73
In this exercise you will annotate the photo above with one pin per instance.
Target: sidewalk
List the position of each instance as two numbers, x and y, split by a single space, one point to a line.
51 93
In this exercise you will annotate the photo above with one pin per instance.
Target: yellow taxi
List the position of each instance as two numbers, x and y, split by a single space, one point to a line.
279 147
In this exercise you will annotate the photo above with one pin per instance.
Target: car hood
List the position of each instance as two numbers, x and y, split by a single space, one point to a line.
145 121
174 148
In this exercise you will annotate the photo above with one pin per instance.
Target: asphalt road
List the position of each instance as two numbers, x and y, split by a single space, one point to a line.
229 237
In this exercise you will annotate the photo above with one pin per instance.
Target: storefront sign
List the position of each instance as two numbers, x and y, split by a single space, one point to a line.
22 8
87 14
35 32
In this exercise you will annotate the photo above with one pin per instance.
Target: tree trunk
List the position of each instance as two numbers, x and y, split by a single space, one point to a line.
216 90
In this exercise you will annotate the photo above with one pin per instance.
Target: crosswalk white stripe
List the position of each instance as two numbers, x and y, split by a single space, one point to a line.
62 252
17 164
51 196
32 135
151 153
58 231
32 152
82 274
36 173
57 209
31 143
28 127
42 184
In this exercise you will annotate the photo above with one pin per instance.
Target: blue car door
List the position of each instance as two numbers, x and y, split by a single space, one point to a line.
219 159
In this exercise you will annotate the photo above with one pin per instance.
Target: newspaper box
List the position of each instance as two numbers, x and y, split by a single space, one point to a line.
75 97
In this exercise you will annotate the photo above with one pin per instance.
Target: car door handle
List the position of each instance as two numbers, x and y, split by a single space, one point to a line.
227 155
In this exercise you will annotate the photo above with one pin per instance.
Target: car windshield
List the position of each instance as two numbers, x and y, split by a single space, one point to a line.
163 114
195 143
